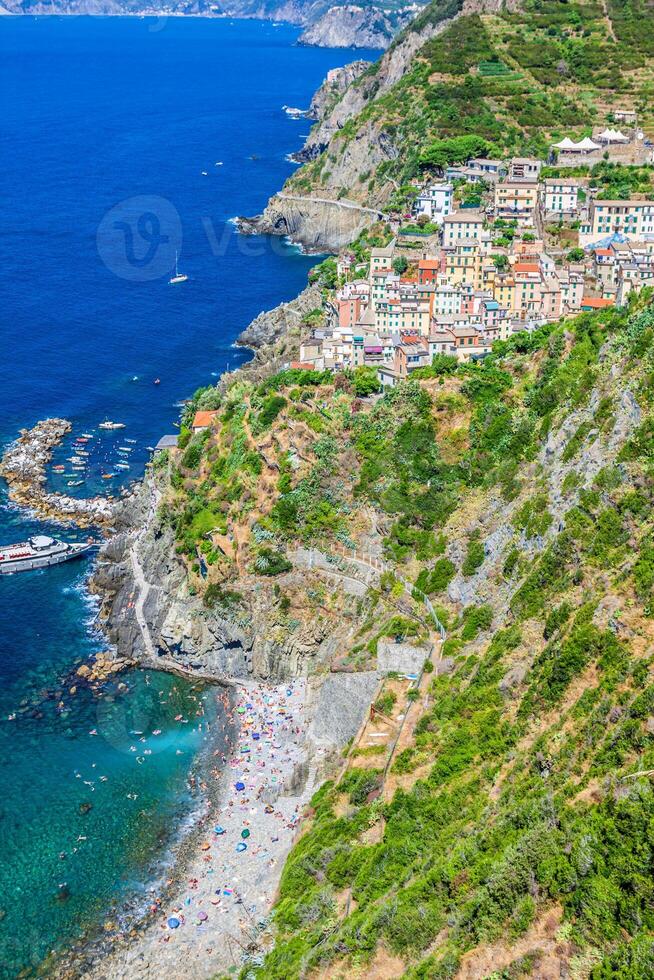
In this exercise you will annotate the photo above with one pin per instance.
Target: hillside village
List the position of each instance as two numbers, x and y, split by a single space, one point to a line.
490 249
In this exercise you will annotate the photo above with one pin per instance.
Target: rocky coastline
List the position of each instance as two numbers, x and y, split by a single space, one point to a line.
24 467
153 619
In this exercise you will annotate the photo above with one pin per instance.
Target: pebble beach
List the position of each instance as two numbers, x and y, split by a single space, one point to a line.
218 898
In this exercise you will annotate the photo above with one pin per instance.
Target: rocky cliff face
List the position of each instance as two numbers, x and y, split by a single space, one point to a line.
278 326
318 224
350 26
336 82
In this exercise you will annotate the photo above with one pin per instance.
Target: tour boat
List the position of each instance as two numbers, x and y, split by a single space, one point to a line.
111 425
39 551
178 277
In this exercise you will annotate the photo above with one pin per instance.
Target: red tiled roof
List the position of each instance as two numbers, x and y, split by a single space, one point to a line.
596 302
302 365
203 419
526 267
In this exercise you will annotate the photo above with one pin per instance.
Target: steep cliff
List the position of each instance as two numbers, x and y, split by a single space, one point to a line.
352 26
319 224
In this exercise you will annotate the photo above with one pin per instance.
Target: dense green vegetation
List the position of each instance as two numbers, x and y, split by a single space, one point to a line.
514 806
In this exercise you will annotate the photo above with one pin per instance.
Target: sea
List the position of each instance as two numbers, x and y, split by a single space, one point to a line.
127 145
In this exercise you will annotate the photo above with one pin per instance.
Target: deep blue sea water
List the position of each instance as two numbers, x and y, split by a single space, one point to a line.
110 135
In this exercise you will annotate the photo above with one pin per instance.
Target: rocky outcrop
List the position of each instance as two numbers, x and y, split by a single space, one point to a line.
318 224
336 82
251 639
371 85
282 322
350 26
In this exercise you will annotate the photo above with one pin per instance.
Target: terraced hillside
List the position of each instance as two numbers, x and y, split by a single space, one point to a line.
486 77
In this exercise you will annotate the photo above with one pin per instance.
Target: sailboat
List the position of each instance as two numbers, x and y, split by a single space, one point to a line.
178 277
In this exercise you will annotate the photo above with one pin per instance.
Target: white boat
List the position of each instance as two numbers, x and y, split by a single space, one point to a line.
75 483
39 551
111 425
179 276
122 466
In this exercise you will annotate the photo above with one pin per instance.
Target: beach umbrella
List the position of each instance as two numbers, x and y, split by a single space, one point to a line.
241 847
240 786
173 923
256 736
245 833
219 830
202 916
241 711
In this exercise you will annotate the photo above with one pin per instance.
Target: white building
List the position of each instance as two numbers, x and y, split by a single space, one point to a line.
559 195
436 201
633 219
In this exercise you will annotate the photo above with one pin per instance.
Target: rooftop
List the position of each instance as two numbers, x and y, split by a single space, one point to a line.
202 419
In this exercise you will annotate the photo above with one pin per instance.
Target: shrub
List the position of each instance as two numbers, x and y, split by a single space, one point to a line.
192 456
272 406
366 381
216 595
474 556
270 562
436 579
533 517
475 619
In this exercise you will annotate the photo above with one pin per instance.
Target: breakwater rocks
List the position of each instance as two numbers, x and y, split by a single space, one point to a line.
24 467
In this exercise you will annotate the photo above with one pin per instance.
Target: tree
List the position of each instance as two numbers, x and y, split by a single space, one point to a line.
501 262
576 255
366 382
457 149
400 264
444 364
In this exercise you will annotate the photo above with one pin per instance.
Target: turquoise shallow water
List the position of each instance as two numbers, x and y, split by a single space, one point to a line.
95 113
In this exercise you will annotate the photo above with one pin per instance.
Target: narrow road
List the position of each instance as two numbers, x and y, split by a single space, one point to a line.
349 205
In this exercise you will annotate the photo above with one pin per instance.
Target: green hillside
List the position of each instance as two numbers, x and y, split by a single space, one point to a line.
514 79
509 838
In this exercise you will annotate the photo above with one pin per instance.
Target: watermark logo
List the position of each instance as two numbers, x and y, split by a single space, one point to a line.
139 238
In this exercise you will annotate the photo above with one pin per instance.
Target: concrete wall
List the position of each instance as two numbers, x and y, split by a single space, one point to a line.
401 657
